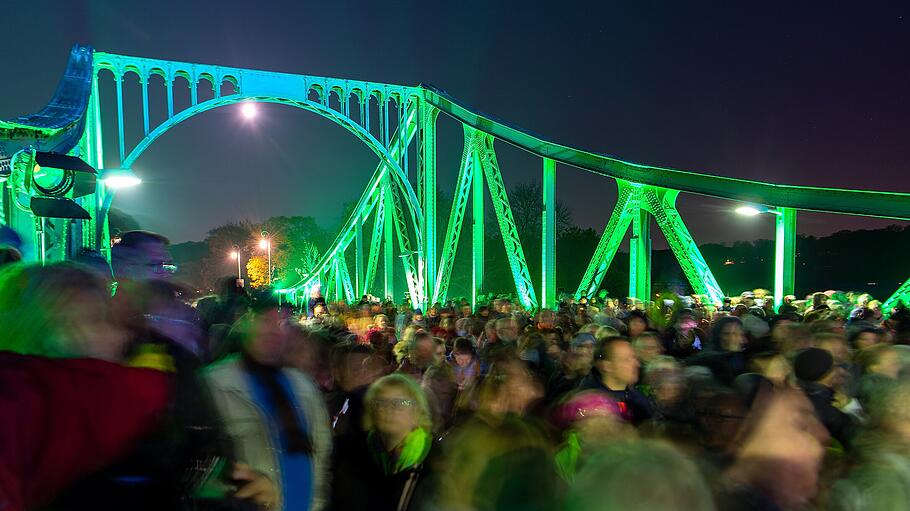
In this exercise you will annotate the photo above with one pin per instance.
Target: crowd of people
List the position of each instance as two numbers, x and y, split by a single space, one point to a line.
120 391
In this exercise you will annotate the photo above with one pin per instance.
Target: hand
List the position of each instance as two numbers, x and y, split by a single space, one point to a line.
254 486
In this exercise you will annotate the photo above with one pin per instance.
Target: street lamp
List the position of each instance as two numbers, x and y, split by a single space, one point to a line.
784 247
113 179
266 244
235 254
248 110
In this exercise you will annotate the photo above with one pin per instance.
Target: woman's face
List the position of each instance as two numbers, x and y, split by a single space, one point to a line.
394 411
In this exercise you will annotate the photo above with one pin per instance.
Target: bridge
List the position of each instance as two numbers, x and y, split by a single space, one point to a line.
398 206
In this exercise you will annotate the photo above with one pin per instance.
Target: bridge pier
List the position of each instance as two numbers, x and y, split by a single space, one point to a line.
784 254
548 251
640 255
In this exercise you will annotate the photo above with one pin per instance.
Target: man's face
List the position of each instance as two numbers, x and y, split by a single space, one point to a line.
623 364
466 311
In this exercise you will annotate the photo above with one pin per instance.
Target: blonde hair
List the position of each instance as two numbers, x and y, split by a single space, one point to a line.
409 386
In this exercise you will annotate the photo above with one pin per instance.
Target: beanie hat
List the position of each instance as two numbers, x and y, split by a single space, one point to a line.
812 363
584 405
582 339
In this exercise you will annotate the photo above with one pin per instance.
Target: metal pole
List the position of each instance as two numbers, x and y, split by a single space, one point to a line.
548 253
640 256
784 254
269 244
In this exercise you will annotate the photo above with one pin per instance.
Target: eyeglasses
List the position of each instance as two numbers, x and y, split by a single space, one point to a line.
394 405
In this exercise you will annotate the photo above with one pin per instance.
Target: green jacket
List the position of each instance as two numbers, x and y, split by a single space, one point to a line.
245 423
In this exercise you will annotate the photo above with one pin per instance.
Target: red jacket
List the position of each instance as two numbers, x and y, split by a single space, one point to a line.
63 419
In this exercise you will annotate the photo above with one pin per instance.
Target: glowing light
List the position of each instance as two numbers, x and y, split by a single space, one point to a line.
747 211
235 254
248 110
119 178
263 243
122 181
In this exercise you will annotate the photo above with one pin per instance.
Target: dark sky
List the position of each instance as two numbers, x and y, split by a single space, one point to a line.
813 93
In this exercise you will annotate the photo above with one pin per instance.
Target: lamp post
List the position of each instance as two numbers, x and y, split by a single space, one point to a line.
784 247
266 244
236 255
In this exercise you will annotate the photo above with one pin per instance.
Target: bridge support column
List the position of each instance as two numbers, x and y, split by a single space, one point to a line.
640 255
120 138
784 254
901 296
548 242
358 258
477 233
388 267
427 172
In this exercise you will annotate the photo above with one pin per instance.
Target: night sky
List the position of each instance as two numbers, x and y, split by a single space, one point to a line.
811 93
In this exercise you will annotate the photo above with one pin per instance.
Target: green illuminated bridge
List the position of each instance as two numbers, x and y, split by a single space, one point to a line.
400 197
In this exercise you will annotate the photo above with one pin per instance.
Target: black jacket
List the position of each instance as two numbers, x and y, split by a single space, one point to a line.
358 482
635 406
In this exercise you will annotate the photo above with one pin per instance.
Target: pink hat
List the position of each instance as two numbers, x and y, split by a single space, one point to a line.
584 405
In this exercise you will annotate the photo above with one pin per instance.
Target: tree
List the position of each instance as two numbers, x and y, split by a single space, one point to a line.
122 222
527 208
257 270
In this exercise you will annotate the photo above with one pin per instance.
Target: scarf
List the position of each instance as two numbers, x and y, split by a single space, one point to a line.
288 423
408 454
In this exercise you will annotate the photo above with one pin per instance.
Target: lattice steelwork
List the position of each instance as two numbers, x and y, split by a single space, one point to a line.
73 123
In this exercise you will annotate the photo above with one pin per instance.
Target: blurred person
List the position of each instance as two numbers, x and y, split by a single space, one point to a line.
665 384
64 420
588 420
352 373
142 255
60 310
421 354
640 475
880 479
881 367
791 337
75 319
309 351
647 347
495 457
615 373
465 362
725 355
636 323
819 377
778 456
507 330
275 416
863 334
9 255
384 468
683 338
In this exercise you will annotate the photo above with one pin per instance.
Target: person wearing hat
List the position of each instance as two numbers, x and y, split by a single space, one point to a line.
817 376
